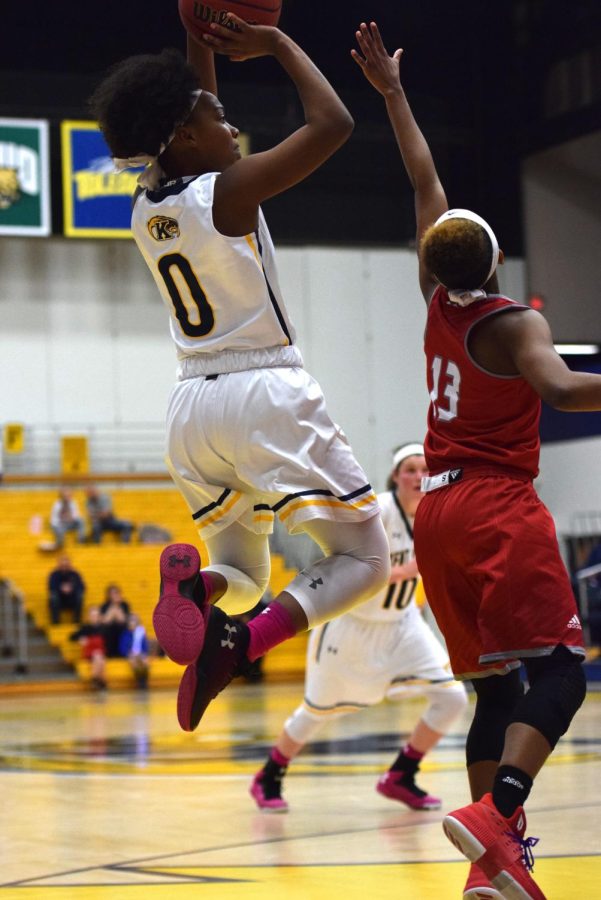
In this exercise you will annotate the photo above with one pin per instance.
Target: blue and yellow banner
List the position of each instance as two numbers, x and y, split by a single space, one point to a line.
96 200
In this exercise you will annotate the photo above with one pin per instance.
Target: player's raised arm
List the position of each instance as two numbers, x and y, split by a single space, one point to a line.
202 59
383 72
327 126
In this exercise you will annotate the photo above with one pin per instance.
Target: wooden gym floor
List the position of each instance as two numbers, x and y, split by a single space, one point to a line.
104 797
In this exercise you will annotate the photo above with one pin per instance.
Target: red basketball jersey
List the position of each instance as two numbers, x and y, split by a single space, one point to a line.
475 418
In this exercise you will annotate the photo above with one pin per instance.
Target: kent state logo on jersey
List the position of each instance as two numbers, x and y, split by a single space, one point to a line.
162 228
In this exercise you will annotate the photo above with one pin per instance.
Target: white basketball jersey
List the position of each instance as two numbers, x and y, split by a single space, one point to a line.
222 292
393 602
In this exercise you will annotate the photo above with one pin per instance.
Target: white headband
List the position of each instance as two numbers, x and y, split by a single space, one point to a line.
463 296
404 452
152 173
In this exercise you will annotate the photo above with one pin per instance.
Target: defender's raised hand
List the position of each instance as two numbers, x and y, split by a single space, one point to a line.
380 69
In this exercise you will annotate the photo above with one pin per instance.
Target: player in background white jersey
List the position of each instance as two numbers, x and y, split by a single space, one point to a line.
249 435
380 649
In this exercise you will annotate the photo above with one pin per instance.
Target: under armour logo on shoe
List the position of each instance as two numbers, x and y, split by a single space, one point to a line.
231 629
574 622
179 561
315 582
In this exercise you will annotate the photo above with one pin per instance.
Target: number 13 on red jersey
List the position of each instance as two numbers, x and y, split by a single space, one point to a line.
446 381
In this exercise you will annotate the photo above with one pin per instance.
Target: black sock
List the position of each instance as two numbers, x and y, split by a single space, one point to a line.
511 789
273 771
271 778
407 765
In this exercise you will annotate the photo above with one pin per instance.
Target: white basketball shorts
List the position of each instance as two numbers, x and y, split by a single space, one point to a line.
245 446
353 663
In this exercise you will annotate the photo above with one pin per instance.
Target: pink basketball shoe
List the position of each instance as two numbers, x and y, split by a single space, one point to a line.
401 787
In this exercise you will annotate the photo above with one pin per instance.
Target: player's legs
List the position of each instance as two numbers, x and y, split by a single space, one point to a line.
399 782
540 717
496 699
298 730
266 434
357 568
345 672
423 670
511 737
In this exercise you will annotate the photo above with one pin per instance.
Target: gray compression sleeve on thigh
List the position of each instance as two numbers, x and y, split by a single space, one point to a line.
356 566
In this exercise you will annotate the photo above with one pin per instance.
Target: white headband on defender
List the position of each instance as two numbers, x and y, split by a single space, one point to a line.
152 173
404 452
464 297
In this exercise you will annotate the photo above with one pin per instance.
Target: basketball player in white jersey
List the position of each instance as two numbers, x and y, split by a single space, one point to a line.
380 649
249 435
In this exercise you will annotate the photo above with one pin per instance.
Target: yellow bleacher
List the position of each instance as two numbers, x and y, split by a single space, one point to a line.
134 567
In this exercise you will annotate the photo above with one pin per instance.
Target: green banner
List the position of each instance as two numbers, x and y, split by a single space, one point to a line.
24 177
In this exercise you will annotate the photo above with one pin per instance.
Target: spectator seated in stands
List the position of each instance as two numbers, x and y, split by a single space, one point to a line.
134 646
114 613
64 517
91 638
102 518
66 590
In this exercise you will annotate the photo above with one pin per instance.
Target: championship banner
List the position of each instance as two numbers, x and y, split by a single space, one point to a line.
24 177
96 200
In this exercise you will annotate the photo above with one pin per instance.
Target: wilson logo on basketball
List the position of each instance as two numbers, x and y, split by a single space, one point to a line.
207 14
257 12
162 228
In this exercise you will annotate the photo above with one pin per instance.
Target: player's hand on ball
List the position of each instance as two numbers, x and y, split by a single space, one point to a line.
379 68
242 42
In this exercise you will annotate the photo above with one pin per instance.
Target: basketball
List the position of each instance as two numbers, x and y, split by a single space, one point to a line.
197 17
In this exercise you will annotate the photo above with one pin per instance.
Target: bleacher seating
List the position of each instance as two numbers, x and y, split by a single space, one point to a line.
134 567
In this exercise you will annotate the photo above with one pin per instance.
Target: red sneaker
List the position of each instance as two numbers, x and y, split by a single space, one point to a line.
403 788
497 844
478 887
267 794
178 619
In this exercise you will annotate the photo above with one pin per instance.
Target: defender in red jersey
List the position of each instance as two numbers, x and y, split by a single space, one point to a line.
485 544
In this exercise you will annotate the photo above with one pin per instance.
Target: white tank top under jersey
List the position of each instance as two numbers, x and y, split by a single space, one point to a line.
222 293
395 601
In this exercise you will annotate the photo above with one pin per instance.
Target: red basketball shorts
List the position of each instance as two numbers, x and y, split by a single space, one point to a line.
487 551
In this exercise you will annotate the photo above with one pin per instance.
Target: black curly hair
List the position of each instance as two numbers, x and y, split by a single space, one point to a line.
141 101
458 253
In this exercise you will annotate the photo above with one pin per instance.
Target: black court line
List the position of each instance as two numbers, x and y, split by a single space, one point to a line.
425 819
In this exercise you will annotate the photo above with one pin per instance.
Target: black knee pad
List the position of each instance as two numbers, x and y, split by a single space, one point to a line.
557 691
497 697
